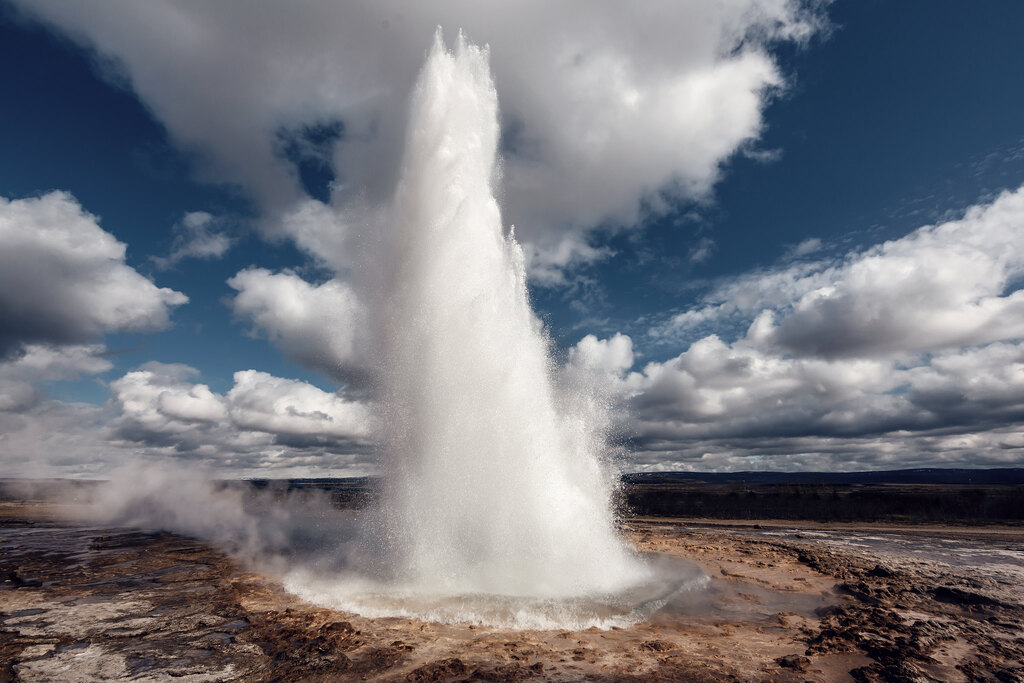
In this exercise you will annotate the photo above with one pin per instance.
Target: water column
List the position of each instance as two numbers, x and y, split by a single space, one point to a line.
491 487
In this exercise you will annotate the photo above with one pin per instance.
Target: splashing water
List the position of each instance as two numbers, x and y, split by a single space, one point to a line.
497 503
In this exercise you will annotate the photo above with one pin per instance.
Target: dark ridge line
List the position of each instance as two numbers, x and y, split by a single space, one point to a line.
923 475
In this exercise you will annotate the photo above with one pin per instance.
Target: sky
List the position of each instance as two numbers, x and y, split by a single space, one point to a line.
773 235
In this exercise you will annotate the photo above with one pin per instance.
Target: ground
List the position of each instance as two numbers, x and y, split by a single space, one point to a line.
815 603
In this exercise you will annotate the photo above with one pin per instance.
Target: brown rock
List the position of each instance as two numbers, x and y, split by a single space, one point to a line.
441 670
795 662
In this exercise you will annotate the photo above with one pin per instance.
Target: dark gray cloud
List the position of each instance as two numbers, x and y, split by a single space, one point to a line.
988 448
748 402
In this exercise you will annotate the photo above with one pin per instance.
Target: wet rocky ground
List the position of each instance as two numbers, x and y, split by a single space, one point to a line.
98 604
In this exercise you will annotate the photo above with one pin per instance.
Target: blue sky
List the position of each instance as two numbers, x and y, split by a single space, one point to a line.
825 178
898 115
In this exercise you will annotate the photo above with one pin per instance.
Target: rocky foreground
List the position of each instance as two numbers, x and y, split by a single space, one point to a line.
91 604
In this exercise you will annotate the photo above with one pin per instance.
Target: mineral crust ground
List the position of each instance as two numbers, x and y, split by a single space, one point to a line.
786 603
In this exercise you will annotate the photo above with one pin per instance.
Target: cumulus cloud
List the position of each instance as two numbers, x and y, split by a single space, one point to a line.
906 353
940 287
262 402
603 356
20 376
737 300
719 389
991 448
608 111
262 422
63 279
263 426
724 405
983 386
195 236
313 324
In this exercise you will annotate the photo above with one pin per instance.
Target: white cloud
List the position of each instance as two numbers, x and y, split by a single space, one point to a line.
702 250
63 279
262 402
313 324
262 422
606 107
718 389
263 426
195 237
160 399
21 375
907 353
323 232
940 287
603 356
736 406
742 297
806 247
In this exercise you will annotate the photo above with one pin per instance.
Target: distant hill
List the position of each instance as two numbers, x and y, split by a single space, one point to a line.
928 475
924 475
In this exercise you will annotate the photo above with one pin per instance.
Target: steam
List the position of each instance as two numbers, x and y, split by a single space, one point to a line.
273 529
497 499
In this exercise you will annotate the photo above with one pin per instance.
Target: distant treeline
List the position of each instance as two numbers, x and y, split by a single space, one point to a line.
909 496
924 495
923 475
906 503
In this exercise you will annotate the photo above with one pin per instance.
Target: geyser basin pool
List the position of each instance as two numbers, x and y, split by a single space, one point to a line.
669 579
496 503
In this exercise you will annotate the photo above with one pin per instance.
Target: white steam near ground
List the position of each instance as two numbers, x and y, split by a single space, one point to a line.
272 529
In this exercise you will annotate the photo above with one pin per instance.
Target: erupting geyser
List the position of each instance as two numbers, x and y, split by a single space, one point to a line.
497 502
489 487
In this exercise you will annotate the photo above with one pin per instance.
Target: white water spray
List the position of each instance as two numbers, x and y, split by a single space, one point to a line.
497 502
490 487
